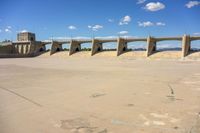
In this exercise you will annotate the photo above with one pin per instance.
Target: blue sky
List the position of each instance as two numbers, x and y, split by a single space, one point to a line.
87 18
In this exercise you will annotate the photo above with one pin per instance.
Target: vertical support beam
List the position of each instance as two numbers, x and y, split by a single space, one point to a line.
121 46
16 49
75 46
55 47
151 45
29 49
186 45
96 46
22 49
25 48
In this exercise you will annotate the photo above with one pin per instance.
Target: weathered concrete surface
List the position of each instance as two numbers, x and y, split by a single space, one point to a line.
99 95
75 46
121 46
186 44
56 47
96 46
151 45
6 49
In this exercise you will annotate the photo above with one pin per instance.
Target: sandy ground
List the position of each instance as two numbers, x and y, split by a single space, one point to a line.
99 95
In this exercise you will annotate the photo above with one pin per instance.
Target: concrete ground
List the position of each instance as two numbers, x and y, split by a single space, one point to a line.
99 95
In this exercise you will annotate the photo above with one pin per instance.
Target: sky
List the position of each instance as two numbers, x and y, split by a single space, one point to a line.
99 18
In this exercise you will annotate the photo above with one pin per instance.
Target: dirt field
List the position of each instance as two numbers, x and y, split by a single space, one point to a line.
99 94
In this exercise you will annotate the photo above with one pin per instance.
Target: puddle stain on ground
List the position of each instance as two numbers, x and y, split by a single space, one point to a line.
80 126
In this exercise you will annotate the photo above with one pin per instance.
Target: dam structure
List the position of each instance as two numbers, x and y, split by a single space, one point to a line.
27 46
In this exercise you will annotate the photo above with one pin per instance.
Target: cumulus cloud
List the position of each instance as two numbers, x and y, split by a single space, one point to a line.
110 20
22 31
123 32
125 20
141 1
149 23
145 24
160 24
154 6
95 27
71 27
8 30
191 4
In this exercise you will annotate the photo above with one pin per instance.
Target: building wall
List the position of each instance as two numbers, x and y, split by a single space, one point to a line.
26 36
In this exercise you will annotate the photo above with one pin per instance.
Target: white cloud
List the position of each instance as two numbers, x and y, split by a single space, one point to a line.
111 20
95 27
191 4
125 20
22 31
71 27
141 1
0 30
123 32
160 24
145 24
149 23
154 6
197 33
8 30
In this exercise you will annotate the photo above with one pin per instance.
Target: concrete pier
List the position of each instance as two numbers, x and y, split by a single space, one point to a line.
121 46
151 45
186 45
56 47
96 46
75 46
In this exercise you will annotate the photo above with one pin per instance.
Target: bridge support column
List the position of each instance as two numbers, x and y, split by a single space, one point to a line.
55 47
151 46
96 46
74 47
186 45
122 46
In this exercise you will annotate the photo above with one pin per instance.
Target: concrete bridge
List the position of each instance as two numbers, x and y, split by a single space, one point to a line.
121 44
30 47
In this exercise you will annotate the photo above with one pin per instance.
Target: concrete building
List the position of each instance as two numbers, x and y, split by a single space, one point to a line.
26 36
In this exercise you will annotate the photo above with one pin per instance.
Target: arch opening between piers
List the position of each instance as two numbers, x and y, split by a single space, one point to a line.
66 46
195 47
109 46
168 48
43 49
48 47
136 46
86 47
133 48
